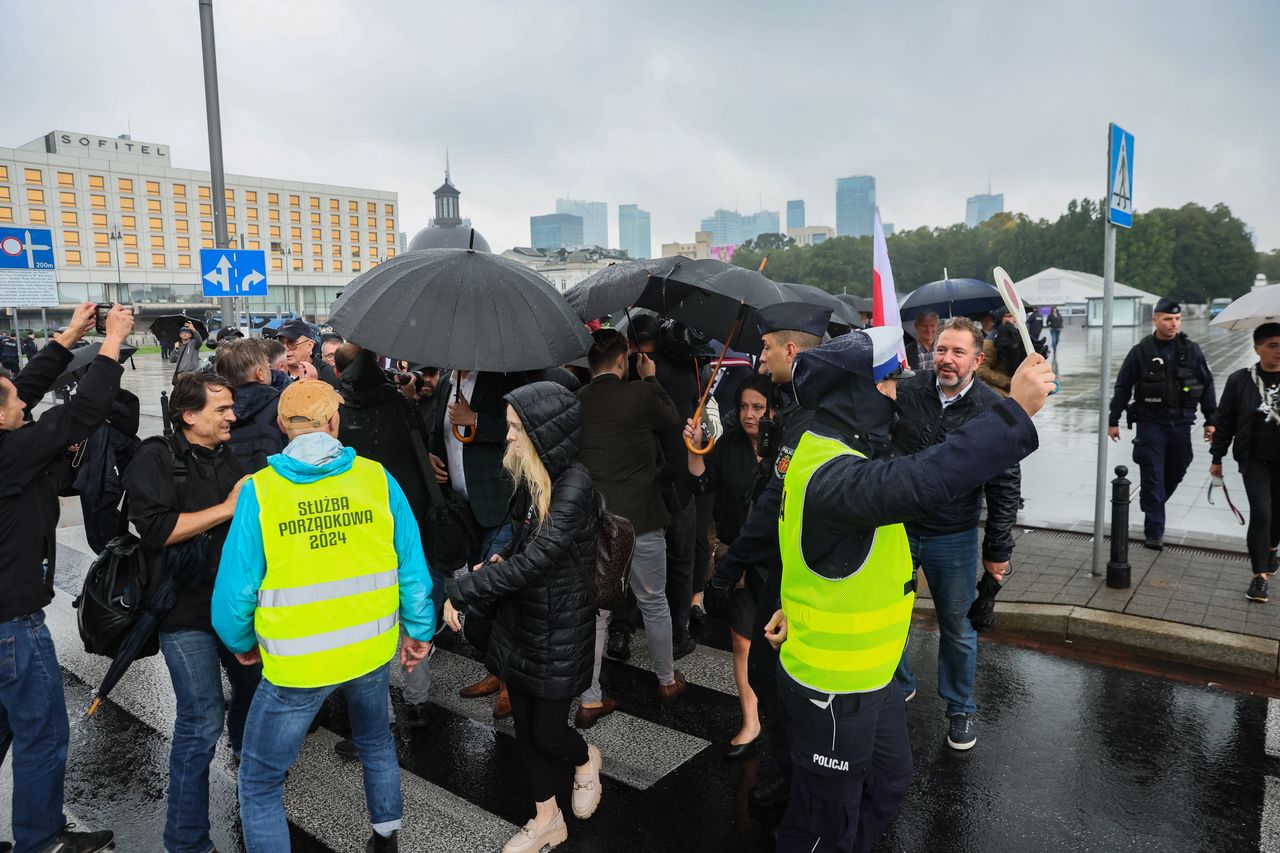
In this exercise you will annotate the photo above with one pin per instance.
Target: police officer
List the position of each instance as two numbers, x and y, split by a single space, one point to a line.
787 330
847 583
1172 378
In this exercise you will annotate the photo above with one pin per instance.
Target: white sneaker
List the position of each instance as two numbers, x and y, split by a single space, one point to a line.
530 839
586 786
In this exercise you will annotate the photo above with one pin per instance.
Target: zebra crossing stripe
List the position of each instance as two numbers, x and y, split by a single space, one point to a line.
1273 728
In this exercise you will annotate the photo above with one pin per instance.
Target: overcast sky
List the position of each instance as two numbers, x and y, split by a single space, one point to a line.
680 107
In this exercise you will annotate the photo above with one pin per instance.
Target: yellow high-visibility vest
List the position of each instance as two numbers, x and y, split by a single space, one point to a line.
329 606
845 634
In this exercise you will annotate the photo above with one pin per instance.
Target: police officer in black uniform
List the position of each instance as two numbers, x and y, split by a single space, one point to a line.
1167 377
787 330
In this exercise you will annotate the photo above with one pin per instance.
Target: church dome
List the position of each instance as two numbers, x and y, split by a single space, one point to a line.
448 230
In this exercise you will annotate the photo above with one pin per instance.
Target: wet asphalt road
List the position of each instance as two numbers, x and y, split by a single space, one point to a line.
1070 757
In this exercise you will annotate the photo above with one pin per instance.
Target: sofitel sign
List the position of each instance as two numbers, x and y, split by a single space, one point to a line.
65 142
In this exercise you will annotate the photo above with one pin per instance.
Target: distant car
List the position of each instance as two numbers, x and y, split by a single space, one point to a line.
1217 305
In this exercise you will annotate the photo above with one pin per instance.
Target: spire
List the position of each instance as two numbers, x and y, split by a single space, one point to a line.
447 211
447 180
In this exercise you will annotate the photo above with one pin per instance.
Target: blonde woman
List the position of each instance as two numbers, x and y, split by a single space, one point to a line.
539 596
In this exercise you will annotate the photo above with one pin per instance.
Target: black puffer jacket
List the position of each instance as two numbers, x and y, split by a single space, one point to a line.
543 636
255 435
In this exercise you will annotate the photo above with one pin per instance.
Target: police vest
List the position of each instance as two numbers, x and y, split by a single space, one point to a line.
1163 386
329 605
847 624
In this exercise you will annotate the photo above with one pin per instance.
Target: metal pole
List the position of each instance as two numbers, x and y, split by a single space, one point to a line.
1104 397
217 177
17 336
44 324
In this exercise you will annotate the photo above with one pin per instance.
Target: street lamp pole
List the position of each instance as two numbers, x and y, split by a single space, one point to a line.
116 235
217 176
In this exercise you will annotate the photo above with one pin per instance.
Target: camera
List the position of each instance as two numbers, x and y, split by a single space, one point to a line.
101 310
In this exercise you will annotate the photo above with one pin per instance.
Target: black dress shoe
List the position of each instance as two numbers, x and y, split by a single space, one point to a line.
346 748
771 792
684 648
416 716
384 843
619 646
1154 543
734 751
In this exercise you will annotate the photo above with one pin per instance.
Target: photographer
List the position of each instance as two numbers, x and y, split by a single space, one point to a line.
33 711
186 357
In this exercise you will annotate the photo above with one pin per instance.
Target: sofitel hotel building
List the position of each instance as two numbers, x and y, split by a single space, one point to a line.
128 226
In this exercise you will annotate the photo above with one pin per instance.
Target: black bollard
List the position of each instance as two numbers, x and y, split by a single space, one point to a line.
165 426
1118 565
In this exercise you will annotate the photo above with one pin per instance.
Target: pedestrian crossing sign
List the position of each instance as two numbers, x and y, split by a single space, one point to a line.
1120 177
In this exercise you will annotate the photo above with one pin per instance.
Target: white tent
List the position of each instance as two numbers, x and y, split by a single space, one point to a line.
1070 287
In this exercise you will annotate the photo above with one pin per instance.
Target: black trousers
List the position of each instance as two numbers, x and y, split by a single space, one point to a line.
762 669
851 767
545 739
702 541
1163 453
1262 487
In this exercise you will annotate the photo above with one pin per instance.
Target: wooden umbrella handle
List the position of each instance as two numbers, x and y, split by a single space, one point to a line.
711 439
465 438
706 392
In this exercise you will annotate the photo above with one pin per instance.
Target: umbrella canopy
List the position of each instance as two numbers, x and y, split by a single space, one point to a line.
81 358
1251 310
166 327
716 290
951 297
618 286
460 309
842 313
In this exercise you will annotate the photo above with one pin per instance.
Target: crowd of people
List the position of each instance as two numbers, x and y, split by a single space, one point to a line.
335 511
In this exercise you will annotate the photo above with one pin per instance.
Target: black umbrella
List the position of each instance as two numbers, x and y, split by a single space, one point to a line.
81 358
619 286
184 565
166 327
859 304
843 316
982 613
706 295
460 309
951 297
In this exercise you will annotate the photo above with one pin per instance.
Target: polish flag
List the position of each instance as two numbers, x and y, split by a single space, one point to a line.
884 299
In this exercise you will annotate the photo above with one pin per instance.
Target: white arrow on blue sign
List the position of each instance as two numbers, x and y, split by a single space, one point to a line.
233 272
1120 178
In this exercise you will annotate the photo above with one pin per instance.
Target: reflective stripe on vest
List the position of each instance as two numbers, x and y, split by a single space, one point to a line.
329 603
844 634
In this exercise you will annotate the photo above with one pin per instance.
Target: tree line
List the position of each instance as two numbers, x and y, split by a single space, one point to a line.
1192 253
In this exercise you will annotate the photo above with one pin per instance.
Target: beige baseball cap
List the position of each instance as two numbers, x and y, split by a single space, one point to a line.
308 402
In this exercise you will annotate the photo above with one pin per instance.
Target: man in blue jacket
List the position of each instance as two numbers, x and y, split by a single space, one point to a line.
322 570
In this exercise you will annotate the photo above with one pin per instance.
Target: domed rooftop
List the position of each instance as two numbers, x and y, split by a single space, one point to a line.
448 230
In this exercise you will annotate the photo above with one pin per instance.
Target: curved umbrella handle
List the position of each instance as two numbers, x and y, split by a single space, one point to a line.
465 438
700 451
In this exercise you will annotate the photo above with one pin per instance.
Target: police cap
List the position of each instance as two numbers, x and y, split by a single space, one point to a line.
1168 305
793 317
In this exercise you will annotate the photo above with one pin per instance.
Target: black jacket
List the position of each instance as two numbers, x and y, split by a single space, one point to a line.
734 476
543 637
156 500
1176 412
923 423
255 435
30 461
1238 422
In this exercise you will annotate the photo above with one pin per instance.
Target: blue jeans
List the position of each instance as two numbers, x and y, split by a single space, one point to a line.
277 725
196 660
950 563
33 719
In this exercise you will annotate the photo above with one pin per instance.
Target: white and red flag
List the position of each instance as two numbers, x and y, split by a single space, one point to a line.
884 299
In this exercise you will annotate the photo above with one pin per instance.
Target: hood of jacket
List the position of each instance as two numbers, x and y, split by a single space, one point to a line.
251 399
552 416
312 456
835 381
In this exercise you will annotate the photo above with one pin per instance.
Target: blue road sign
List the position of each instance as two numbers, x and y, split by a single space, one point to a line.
26 249
233 272
1120 178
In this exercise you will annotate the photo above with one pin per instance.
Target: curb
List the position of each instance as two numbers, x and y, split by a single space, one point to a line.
1154 638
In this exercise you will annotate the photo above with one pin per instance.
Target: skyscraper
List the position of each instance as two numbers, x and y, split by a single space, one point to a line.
795 213
730 228
980 208
633 231
595 219
555 231
855 206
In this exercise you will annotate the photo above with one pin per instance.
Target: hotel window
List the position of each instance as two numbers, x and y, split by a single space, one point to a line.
35 196
333 204
96 182
335 219
277 264
391 253
315 202
72 256
124 185
100 238
131 240
4 173
32 176
355 237
336 250
296 263
274 231
206 243
391 240
229 212
203 192
231 229
184 262
317 249
99 220
296 248
66 179
371 207
373 237
153 188
206 210
180 226
180 208
126 203
102 259
153 205
337 265
179 190
372 222
390 210
130 222
335 235
230 194
251 212
317 265
315 233
254 244
295 233
294 200
273 198
183 243
157 241
71 238
69 217
67 199
206 227
4 194
157 260
355 266
251 196
36 216
130 259
253 229
155 223
6 214
353 205
294 216
273 215
98 200
353 221
315 219
391 225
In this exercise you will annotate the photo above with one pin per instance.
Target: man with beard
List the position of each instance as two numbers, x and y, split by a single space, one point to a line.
944 540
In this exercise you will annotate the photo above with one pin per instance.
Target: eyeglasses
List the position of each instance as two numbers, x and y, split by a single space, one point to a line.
295 342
